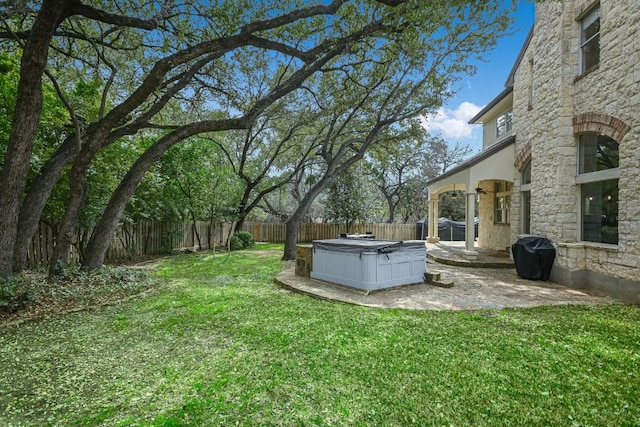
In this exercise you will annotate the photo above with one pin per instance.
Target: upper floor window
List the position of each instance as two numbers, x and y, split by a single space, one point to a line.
504 124
532 90
590 40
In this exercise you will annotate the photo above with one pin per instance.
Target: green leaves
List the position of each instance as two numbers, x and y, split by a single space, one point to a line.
349 198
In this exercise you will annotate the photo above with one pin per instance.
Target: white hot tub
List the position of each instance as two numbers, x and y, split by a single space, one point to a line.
369 264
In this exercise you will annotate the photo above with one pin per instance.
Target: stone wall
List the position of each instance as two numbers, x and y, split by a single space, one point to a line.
304 260
491 235
563 104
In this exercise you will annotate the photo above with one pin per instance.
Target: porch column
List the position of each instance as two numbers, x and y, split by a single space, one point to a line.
469 251
432 224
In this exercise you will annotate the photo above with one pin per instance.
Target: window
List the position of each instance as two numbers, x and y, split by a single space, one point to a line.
597 153
590 40
502 202
504 124
598 179
526 174
525 189
532 90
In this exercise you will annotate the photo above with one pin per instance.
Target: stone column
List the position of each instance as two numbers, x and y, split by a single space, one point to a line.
469 251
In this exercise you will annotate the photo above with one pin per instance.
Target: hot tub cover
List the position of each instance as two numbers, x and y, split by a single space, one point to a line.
366 245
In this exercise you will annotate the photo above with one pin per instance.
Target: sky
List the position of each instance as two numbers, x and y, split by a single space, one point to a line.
476 91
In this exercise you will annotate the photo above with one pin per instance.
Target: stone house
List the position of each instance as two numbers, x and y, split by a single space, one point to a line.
561 148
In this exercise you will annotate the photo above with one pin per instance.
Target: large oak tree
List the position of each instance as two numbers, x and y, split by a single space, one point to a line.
367 66
186 49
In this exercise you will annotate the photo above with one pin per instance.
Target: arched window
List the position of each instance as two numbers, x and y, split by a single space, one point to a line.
598 173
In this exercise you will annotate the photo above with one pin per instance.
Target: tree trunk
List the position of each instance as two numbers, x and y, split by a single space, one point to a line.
36 199
240 222
243 208
392 208
13 177
101 237
293 224
291 237
194 227
69 228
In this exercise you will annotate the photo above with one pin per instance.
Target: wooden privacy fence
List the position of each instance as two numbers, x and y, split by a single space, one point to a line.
154 237
276 232
133 240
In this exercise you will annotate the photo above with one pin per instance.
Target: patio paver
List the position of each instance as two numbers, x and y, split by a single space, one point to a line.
473 288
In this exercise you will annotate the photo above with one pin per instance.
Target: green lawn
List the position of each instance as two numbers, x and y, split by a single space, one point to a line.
221 344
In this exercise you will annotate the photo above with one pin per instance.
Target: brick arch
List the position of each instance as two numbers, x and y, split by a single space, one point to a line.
523 156
604 124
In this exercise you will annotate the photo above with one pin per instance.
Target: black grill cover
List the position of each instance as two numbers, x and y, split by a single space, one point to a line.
533 257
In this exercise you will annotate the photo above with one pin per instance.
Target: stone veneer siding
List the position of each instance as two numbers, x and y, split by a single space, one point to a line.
491 235
606 99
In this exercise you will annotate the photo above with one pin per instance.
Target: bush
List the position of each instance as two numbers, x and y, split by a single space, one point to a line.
63 271
13 297
241 240
247 239
235 244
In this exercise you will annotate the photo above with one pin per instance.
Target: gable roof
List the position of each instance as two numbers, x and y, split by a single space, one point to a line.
475 119
488 152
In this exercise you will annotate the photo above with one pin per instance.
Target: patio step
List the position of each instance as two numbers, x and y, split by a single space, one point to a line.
451 256
436 279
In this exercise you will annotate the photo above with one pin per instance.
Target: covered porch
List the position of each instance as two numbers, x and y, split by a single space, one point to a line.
486 179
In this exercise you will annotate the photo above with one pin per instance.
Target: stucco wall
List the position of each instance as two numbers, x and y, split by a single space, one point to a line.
489 123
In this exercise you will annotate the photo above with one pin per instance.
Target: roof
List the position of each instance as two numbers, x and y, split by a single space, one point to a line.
490 105
476 159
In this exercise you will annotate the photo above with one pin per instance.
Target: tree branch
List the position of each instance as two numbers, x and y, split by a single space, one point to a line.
110 18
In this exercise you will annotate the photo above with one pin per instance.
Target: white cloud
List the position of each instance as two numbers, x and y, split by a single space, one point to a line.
453 123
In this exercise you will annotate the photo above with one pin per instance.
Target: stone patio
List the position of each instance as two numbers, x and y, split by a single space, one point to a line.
477 284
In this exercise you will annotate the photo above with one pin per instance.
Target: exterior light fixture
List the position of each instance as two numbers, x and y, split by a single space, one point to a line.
480 190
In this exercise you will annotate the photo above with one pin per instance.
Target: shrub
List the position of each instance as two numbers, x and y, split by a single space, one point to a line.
235 244
63 271
246 238
241 240
13 296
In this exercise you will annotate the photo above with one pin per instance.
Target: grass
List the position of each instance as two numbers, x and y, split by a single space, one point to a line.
223 345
